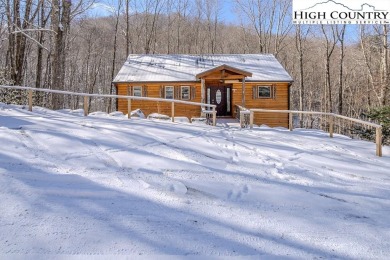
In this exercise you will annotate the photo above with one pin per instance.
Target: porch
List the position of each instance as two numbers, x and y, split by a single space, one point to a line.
224 87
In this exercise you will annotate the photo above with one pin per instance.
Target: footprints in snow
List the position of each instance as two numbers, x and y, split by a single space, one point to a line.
228 148
238 194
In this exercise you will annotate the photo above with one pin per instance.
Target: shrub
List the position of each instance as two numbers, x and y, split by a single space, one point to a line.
381 116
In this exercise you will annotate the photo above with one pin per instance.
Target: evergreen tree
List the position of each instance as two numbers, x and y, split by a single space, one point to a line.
381 116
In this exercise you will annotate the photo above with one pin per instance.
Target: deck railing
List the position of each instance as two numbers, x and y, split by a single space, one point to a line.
210 111
242 114
330 120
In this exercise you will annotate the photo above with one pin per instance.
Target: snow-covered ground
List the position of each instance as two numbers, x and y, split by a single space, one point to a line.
105 185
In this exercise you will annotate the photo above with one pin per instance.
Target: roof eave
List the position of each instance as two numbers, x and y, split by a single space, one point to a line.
154 82
194 81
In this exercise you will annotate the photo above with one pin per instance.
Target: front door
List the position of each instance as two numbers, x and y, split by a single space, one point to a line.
220 95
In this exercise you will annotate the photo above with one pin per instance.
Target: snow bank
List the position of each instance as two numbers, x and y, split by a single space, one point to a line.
137 113
156 116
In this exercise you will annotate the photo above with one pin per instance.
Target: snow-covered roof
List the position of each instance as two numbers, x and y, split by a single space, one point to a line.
171 68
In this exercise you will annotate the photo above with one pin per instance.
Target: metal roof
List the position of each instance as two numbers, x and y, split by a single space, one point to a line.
177 67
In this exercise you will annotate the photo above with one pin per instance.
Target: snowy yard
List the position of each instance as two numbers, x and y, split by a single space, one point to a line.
104 185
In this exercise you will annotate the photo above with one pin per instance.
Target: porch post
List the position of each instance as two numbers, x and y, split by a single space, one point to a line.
243 93
202 90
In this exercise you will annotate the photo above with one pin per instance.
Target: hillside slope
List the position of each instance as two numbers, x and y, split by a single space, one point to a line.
104 185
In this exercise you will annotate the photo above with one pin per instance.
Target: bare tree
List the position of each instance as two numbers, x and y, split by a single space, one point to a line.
60 23
341 39
181 13
300 40
151 10
330 40
371 49
385 88
281 13
211 11
57 53
20 17
42 20
270 20
114 51
255 10
127 14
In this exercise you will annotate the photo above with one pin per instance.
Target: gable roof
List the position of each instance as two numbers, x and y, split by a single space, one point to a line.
223 68
178 67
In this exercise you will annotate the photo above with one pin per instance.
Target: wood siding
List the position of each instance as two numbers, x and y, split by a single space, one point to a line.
279 101
154 91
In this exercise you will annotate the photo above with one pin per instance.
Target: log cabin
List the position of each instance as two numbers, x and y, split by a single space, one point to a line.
228 81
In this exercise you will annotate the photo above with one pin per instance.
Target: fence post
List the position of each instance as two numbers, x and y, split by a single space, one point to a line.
251 117
85 105
214 117
290 121
173 111
30 94
379 141
241 118
331 123
129 108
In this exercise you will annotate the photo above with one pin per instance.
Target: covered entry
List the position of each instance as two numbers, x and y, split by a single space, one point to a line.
220 95
216 87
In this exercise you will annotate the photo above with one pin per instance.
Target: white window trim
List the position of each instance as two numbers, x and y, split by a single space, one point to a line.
141 88
189 92
265 86
165 92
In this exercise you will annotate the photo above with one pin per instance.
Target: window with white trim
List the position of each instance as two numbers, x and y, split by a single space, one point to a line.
169 92
185 93
137 91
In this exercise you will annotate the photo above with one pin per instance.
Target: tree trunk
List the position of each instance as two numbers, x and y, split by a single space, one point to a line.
385 68
17 42
127 29
298 44
38 77
341 37
109 101
60 20
330 43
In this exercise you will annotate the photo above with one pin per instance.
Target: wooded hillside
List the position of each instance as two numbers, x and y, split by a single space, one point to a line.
57 44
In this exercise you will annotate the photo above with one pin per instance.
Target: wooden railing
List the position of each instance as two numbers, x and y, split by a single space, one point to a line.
242 114
331 119
211 111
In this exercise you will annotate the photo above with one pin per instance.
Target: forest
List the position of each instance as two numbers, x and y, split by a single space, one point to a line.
60 44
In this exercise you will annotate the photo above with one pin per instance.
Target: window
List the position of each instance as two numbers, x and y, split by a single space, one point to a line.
137 91
185 92
169 92
264 91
